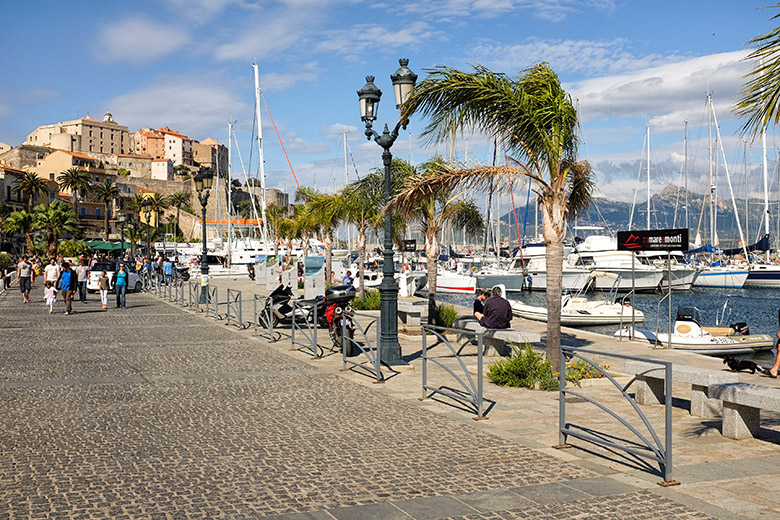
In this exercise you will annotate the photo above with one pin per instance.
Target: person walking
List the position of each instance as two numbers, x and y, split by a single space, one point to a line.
52 272
168 271
50 294
66 284
24 273
120 286
104 285
82 272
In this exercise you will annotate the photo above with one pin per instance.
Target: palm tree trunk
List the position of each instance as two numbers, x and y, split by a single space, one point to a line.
361 261
327 239
305 244
178 209
52 246
106 205
28 239
432 257
554 228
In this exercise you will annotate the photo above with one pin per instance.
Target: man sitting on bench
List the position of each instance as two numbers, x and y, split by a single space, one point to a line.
498 312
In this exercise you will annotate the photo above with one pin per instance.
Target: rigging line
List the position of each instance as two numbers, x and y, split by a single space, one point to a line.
514 208
282 145
352 158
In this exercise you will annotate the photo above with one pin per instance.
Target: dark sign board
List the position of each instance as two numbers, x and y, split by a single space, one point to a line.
653 240
410 246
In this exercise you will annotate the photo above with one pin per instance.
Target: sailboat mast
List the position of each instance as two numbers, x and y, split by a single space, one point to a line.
747 198
260 158
229 179
346 182
685 171
766 187
713 237
648 175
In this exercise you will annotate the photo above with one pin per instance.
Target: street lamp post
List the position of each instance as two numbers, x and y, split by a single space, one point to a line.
203 181
403 83
148 217
122 218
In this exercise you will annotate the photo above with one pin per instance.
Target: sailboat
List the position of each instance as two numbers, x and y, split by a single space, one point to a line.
718 274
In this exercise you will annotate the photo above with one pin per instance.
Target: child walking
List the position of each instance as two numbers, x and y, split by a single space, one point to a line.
50 293
103 284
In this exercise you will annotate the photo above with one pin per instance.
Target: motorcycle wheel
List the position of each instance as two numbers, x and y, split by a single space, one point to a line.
185 276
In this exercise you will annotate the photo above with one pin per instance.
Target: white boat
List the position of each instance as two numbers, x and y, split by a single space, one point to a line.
689 335
729 276
684 274
455 283
763 275
599 253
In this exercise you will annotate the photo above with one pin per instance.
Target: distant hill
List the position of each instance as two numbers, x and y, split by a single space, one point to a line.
615 215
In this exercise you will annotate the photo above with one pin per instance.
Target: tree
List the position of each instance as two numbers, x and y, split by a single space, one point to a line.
329 210
433 209
177 200
77 182
760 96
275 215
158 204
135 233
305 220
362 200
5 211
105 193
31 185
55 221
136 202
536 120
21 222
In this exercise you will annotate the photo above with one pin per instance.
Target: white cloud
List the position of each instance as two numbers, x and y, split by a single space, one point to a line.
269 35
138 41
335 131
566 56
186 104
272 81
663 92
352 41
552 10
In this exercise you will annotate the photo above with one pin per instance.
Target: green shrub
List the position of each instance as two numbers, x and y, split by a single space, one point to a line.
524 368
446 315
73 248
579 369
369 302
300 284
6 261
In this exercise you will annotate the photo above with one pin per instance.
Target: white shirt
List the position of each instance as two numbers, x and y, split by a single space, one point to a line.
52 272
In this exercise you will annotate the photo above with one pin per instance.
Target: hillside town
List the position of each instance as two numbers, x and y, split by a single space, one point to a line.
107 172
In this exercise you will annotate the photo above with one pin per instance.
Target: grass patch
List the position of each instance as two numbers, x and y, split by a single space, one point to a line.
369 302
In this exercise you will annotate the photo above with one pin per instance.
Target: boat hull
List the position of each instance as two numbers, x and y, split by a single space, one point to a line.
706 345
600 315
727 278
763 276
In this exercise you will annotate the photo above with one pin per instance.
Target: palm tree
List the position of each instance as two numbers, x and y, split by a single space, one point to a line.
21 222
275 215
433 209
159 203
760 96
76 181
177 200
135 233
5 211
306 222
31 185
362 200
56 220
136 202
537 121
105 193
329 211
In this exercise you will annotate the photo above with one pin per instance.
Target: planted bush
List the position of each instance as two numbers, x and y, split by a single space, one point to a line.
369 302
446 315
524 368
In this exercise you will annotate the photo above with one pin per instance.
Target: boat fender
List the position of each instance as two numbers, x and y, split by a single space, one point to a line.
405 267
474 269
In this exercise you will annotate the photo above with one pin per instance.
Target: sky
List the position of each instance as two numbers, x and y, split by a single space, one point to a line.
186 64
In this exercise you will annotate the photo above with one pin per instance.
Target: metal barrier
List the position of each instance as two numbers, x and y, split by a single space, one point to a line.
7 281
180 292
308 329
168 290
212 306
194 294
264 319
655 450
472 393
146 280
234 311
374 364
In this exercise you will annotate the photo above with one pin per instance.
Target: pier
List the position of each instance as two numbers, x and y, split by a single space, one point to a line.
159 411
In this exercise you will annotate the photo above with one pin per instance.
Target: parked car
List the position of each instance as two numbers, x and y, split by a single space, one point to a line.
133 279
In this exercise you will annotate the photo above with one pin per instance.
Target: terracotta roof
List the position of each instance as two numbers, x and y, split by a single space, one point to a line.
160 160
131 155
173 133
79 155
11 169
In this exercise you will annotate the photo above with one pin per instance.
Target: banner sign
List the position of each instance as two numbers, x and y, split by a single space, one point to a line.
653 240
410 246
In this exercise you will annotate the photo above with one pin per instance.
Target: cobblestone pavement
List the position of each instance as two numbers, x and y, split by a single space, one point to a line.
155 412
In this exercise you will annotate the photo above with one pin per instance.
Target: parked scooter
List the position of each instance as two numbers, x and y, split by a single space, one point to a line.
184 273
339 321
251 269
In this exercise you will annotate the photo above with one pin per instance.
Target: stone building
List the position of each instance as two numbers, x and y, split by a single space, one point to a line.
83 135
137 165
162 169
25 157
209 153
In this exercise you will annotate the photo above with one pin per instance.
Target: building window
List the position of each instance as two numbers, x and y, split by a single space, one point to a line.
51 197
97 212
51 176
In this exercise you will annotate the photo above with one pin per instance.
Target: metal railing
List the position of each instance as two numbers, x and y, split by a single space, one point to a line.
306 327
181 293
212 307
234 311
373 354
623 300
472 392
7 281
194 294
649 449
263 317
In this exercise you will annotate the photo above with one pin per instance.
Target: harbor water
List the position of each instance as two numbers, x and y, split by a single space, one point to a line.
758 307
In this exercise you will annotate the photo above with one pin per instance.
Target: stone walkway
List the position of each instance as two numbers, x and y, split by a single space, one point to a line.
156 412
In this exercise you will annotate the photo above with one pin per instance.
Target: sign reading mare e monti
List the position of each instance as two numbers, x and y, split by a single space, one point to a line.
653 240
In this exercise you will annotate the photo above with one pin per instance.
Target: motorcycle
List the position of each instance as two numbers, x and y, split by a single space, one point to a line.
339 322
281 310
251 269
184 273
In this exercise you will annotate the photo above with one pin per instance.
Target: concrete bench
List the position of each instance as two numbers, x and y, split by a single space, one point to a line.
496 341
409 314
650 385
742 405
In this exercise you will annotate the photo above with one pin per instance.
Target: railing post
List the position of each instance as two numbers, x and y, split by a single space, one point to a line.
479 376
561 397
425 360
668 414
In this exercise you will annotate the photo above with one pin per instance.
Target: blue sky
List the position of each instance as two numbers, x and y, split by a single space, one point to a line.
187 64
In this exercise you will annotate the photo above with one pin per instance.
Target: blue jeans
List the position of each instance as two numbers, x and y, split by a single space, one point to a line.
83 291
121 291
